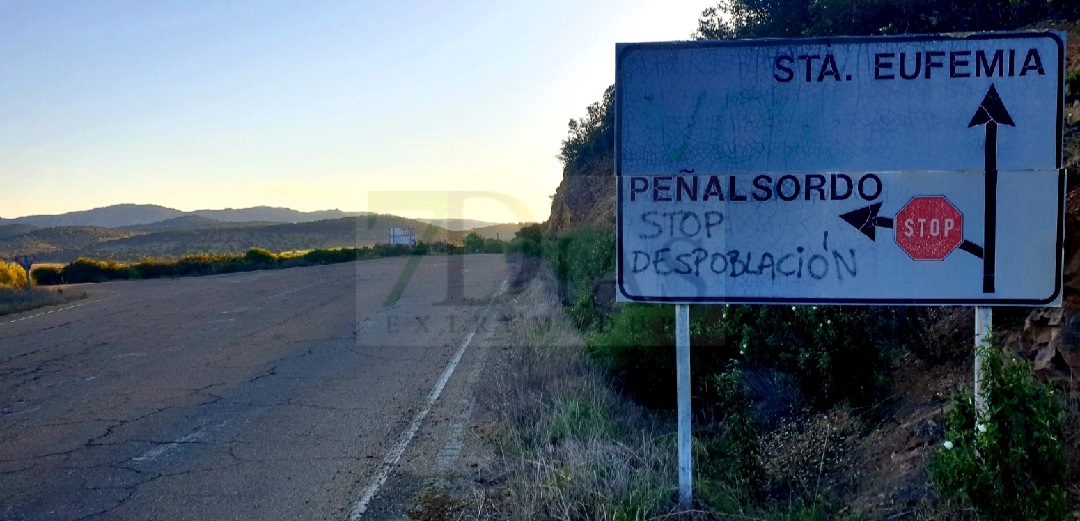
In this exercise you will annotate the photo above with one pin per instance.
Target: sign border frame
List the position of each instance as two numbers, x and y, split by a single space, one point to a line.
624 49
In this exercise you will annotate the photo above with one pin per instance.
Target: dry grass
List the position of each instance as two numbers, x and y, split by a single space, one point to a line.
568 446
19 300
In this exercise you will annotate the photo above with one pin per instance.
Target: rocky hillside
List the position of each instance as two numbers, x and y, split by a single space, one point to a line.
586 195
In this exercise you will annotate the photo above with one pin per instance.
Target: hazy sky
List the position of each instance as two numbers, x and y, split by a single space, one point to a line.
305 104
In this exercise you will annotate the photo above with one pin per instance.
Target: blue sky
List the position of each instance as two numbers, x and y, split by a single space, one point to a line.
310 105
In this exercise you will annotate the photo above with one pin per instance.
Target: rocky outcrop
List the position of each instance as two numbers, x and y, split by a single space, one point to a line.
586 195
1051 338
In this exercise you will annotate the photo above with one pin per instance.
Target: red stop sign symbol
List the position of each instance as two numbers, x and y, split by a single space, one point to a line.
929 228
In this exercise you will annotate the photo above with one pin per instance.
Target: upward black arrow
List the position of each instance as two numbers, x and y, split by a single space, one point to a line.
991 113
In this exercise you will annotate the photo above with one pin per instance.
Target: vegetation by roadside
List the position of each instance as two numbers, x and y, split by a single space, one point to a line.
571 446
14 297
84 270
19 300
568 445
12 275
793 409
1006 460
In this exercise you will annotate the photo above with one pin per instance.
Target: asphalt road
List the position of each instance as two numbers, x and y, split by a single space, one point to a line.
266 395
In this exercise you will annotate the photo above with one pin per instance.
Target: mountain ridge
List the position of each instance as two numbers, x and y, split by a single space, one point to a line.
130 214
66 243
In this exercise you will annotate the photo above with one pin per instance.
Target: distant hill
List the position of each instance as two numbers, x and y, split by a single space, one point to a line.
109 217
504 231
126 215
268 213
174 243
44 241
457 225
192 222
12 230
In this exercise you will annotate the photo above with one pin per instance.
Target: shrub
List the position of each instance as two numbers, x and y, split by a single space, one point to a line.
1072 84
260 257
638 348
47 276
1006 461
12 275
474 243
732 451
155 268
422 248
580 258
834 354
90 270
332 256
199 264
523 246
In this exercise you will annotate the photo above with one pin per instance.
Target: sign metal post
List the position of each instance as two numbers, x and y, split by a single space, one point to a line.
26 261
682 369
983 328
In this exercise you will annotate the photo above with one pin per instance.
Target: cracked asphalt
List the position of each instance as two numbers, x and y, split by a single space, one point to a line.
261 395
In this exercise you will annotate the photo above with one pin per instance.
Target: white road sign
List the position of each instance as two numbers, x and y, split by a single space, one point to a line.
886 170
405 236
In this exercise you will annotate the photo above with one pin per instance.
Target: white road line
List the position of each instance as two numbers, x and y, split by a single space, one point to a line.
455 441
395 453
53 311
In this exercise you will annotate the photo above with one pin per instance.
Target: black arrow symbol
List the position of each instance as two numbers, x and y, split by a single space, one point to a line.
867 221
991 113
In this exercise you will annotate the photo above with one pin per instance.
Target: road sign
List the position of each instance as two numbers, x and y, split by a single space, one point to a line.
929 228
25 261
761 171
406 236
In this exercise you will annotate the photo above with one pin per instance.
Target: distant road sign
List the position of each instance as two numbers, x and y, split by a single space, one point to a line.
25 261
405 236
760 171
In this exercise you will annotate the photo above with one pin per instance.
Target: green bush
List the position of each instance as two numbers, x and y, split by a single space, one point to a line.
475 243
523 246
202 264
260 257
1006 461
527 240
149 268
731 448
1072 84
638 348
834 354
332 256
90 270
580 258
47 276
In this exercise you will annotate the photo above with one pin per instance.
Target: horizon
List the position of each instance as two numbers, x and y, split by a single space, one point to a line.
309 107
358 212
